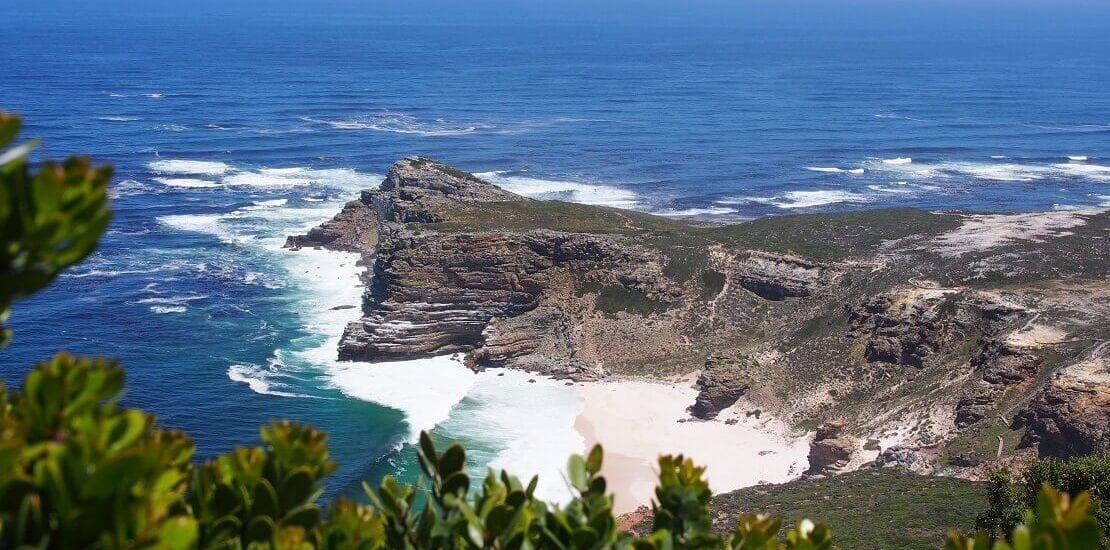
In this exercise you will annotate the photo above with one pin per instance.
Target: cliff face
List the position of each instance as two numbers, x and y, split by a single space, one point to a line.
935 334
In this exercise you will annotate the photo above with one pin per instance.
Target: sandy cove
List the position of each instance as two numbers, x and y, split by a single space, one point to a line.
637 420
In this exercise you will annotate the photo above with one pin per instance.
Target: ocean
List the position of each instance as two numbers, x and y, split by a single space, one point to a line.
228 135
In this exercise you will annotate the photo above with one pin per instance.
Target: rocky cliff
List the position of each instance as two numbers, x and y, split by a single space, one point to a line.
935 338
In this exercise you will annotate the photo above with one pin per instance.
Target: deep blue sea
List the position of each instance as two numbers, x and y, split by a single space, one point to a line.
229 134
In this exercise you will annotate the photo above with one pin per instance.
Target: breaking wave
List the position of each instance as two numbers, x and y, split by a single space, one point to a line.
401 123
569 191
191 167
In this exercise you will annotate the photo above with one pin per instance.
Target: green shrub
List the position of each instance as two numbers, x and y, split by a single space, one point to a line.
1008 498
712 283
612 299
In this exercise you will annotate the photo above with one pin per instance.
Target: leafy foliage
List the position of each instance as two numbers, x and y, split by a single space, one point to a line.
1057 522
49 219
79 471
1008 498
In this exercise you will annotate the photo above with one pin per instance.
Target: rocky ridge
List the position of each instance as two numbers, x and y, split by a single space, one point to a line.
924 345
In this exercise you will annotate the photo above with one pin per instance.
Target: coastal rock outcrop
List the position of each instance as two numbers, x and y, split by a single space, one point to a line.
780 276
898 456
436 293
831 450
1071 415
908 326
455 264
722 381
1000 365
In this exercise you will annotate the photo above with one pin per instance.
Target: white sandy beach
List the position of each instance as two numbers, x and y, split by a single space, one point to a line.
636 421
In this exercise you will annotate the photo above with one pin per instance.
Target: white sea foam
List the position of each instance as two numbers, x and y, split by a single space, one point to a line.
193 167
526 422
802 199
835 170
118 118
341 178
1086 170
401 123
899 160
172 300
899 117
810 199
128 187
155 95
259 380
271 203
994 171
1077 158
892 189
187 183
211 224
426 390
689 212
168 309
569 191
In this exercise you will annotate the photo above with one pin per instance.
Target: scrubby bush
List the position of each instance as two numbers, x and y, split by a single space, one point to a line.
79 471
1009 497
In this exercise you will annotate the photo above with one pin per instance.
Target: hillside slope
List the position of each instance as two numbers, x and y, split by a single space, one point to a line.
925 340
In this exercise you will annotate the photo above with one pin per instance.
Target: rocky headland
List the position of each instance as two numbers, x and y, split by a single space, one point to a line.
943 342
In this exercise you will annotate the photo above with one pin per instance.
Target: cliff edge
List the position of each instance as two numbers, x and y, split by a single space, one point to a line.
936 341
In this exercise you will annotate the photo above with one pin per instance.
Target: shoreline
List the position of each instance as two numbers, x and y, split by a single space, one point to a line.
638 420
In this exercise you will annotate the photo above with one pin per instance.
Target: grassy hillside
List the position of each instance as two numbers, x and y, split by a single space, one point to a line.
868 509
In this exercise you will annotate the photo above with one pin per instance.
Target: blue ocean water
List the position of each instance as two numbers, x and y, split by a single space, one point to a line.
229 134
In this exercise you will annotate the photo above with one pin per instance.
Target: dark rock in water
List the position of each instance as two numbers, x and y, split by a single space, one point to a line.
722 381
339 308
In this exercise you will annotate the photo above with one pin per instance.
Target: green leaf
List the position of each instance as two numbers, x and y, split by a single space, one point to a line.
260 529
307 516
578 474
593 462
452 460
457 484
264 500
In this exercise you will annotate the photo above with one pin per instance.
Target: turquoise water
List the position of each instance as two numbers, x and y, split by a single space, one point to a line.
228 135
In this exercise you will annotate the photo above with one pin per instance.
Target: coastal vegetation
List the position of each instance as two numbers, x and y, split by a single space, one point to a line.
78 470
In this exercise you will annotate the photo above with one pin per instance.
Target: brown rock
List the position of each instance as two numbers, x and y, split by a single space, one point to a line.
831 450
1071 415
723 380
